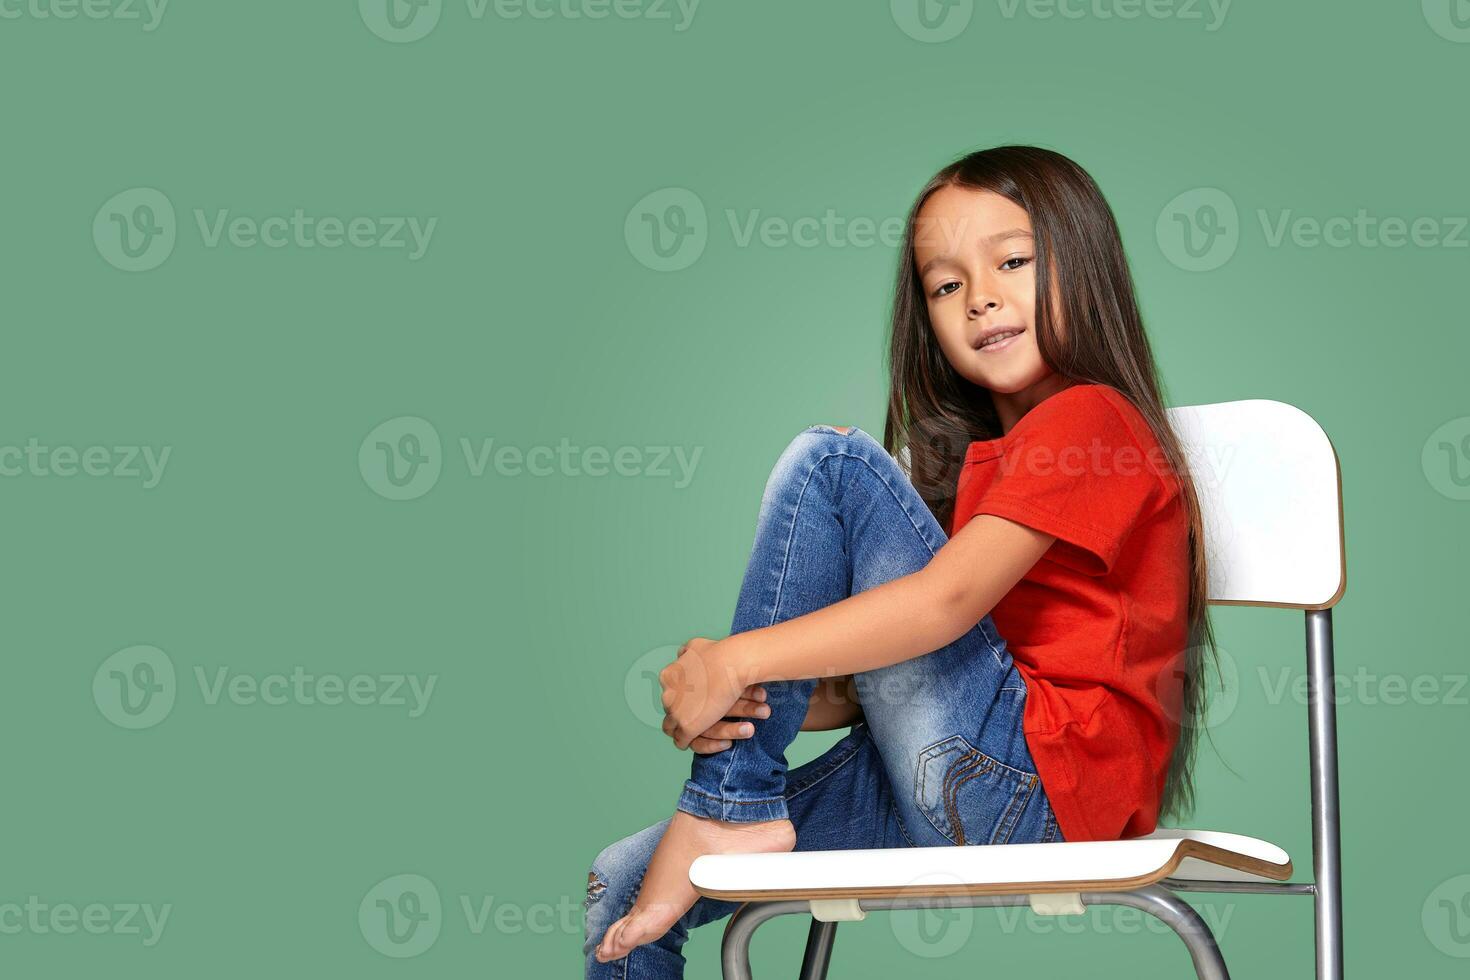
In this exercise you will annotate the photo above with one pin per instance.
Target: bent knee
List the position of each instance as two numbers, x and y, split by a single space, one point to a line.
624 859
819 436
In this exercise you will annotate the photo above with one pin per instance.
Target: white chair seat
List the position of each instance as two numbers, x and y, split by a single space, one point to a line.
1004 869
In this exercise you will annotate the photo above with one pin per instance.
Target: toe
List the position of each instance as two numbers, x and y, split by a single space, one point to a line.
606 948
635 933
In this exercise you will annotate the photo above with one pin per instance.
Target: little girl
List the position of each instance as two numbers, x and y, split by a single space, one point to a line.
1012 624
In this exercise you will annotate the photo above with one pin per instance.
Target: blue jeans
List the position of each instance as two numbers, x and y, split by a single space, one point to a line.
939 757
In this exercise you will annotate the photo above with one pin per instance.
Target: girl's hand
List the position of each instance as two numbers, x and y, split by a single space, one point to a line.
700 688
719 736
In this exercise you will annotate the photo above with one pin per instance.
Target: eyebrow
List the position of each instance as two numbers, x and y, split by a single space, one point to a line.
996 238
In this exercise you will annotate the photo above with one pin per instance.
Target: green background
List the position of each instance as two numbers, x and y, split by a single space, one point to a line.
531 320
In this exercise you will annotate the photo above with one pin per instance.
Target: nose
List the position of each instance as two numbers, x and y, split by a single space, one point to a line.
982 298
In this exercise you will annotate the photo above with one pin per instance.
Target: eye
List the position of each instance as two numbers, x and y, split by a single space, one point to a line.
1018 258
940 292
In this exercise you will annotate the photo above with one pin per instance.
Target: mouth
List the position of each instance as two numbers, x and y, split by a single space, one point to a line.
997 339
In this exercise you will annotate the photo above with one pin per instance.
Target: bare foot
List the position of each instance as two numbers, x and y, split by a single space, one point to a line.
666 893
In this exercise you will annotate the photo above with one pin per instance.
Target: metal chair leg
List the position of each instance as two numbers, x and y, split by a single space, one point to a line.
735 947
1326 833
818 950
1178 915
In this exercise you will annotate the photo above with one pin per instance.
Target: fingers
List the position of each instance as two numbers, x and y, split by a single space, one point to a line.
746 708
708 746
672 729
721 735
717 737
725 730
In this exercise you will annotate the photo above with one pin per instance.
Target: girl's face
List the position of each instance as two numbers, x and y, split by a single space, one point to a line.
974 256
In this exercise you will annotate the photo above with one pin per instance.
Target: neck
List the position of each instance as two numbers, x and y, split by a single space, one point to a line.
1009 407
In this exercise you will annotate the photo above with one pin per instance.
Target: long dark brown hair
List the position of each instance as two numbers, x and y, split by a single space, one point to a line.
934 413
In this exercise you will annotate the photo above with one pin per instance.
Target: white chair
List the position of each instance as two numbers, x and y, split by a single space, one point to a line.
1271 493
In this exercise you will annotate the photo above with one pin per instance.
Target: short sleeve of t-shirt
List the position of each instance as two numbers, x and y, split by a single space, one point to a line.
1083 466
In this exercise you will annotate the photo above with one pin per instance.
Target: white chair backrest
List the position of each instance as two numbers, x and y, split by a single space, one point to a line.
1270 492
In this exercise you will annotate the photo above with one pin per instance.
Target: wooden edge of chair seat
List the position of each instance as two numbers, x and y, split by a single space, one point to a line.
958 871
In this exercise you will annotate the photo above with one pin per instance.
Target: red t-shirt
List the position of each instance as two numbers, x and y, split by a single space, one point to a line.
1097 627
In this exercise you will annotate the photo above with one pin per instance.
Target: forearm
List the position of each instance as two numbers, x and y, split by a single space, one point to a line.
900 619
887 624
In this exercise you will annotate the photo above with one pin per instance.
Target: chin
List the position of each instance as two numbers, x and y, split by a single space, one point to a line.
1005 383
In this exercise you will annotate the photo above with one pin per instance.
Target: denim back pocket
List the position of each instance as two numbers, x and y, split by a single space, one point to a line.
969 796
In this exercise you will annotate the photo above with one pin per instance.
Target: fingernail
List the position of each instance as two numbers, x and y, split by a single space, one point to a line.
746 729
763 712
